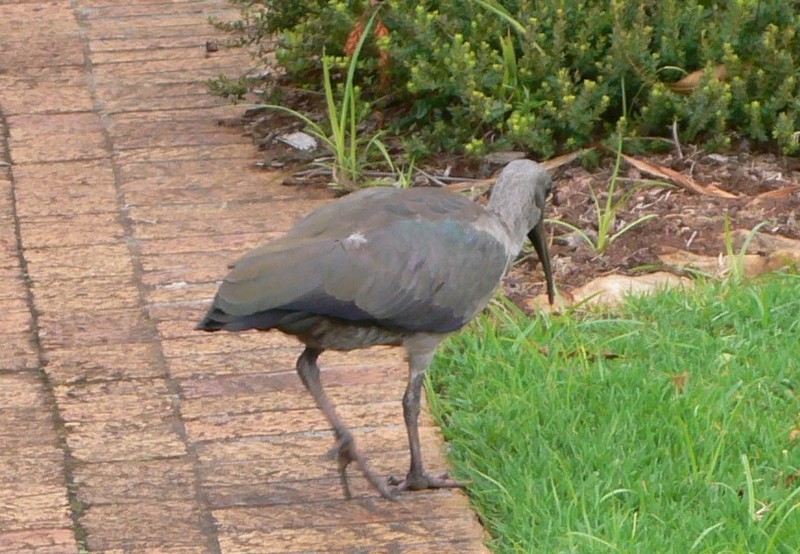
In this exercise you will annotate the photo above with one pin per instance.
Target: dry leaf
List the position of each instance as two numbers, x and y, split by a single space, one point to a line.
564 159
777 194
467 185
794 434
678 178
381 30
686 85
352 39
761 512
384 63
549 165
543 350
680 381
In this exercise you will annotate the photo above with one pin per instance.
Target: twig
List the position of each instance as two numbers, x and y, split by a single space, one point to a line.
675 138
463 184
312 172
451 179
691 239
436 180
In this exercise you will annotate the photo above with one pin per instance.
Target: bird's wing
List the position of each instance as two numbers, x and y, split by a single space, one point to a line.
332 217
416 274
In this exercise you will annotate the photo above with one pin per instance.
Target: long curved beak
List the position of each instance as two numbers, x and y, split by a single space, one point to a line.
539 240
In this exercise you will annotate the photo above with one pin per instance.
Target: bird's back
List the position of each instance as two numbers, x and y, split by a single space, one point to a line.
415 260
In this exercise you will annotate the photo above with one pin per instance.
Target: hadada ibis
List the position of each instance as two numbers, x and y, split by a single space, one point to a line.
385 266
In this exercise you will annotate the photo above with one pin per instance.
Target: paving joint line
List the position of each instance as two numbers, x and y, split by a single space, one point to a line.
59 424
208 523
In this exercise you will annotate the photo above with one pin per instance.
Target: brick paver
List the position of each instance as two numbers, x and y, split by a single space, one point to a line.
121 202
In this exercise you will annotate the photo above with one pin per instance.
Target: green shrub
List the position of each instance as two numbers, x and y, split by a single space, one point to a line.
548 75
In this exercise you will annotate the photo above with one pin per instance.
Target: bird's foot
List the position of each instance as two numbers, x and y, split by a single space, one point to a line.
421 480
344 452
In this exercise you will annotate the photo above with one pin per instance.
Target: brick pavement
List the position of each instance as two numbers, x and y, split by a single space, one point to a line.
121 201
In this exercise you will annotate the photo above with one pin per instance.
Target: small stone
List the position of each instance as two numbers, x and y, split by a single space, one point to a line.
574 239
299 141
719 158
259 75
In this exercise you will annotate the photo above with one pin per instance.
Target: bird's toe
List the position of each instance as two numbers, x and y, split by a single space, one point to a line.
393 480
344 452
422 480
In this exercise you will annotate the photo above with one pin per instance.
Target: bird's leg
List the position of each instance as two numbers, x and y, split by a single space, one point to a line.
417 477
345 450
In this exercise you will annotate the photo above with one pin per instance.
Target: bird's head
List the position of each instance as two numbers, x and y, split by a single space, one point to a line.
519 198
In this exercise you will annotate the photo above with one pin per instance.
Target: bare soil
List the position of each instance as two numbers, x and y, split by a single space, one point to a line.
684 220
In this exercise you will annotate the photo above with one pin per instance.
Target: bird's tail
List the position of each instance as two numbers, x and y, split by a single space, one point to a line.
209 323
217 319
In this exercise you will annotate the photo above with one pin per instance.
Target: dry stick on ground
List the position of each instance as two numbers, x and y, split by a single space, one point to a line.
678 178
675 138
550 165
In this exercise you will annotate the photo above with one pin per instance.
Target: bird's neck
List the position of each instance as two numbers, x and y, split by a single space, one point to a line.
513 208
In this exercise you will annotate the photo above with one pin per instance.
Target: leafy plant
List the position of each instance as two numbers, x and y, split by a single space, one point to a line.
350 150
736 259
606 210
545 76
233 89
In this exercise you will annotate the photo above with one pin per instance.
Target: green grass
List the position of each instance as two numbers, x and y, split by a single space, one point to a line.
578 434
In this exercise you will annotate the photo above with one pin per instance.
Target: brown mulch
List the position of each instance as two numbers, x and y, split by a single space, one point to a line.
765 188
